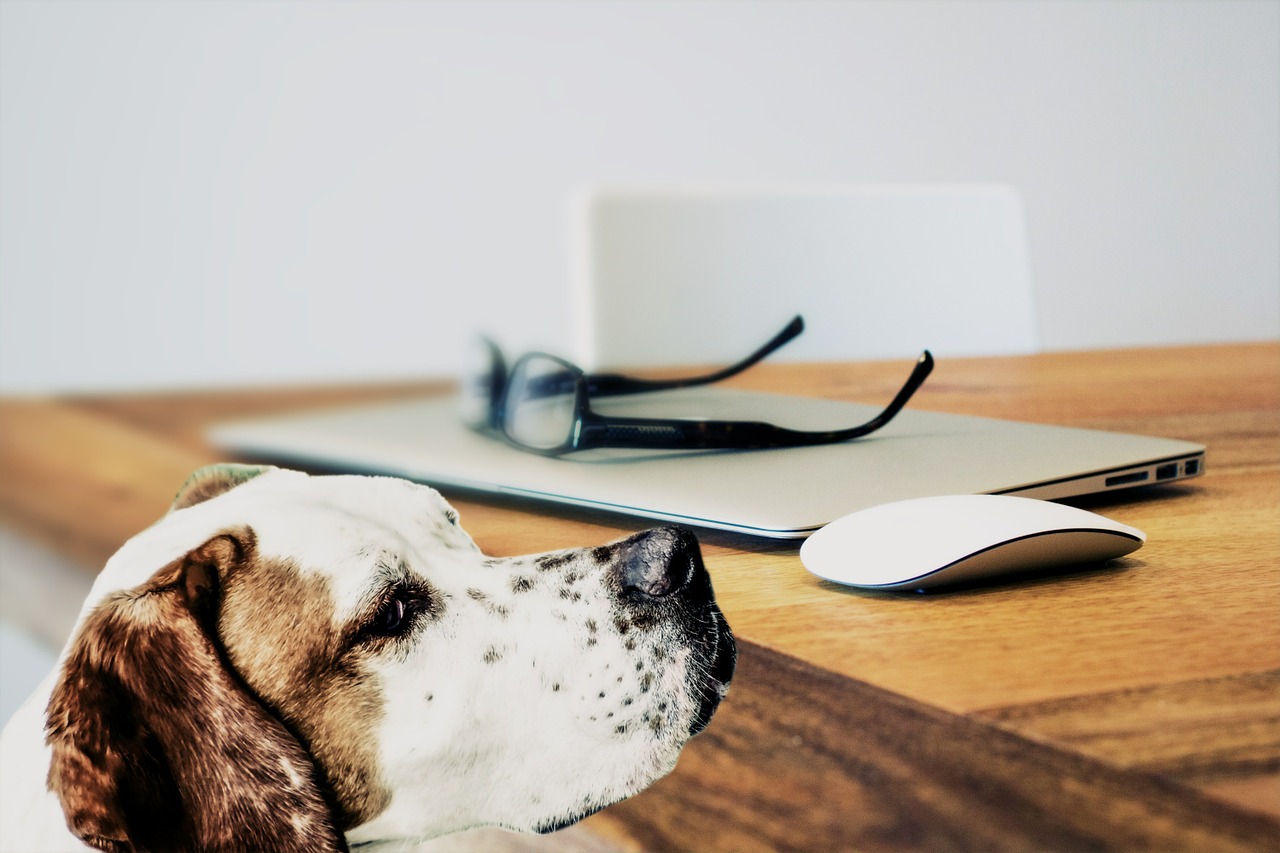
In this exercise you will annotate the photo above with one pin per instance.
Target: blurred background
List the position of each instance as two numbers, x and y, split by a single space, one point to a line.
198 194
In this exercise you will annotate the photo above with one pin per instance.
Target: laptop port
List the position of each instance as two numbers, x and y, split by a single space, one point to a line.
1167 472
1192 467
1128 479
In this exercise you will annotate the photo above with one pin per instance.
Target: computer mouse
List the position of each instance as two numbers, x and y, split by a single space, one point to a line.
922 543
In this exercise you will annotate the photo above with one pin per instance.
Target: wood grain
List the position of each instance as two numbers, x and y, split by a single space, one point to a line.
1130 706
801 759
84 484
1216 734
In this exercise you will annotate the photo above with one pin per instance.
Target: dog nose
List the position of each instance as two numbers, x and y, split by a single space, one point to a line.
658 563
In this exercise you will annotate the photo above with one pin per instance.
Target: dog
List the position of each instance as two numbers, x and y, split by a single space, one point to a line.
296 662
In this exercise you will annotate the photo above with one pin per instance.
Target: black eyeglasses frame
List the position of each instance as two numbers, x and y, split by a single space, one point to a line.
612 384
592 430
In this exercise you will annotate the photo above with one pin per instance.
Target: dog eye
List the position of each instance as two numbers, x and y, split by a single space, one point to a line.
396 616
399 610
390 618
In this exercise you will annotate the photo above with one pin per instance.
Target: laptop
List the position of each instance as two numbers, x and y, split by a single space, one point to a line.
783 493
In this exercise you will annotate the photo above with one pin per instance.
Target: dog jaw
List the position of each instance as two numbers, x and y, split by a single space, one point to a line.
540 715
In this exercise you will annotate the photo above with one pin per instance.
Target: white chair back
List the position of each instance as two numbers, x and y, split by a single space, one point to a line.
667 277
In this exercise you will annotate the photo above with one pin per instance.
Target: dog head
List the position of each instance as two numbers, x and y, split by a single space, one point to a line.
286 662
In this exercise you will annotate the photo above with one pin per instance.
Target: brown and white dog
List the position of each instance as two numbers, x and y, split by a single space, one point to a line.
287 662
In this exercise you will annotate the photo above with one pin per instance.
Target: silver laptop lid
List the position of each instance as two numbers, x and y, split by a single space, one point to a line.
783 493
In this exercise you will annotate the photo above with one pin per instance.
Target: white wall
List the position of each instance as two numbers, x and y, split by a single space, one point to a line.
199 193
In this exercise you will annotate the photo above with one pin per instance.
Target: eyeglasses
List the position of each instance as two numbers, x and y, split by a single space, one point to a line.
485 383
543 405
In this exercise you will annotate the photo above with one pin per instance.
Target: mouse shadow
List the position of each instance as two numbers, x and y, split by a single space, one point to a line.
1075 572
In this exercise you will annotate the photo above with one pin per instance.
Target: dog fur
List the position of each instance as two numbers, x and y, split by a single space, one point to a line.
288 662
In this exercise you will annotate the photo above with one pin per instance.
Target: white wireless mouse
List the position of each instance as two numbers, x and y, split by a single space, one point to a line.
922 543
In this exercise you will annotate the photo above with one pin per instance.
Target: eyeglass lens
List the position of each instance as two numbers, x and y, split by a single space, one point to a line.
541 408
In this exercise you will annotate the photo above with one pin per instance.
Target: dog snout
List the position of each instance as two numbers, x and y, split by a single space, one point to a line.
658 563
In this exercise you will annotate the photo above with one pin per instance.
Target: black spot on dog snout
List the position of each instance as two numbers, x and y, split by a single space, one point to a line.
551 562
482 598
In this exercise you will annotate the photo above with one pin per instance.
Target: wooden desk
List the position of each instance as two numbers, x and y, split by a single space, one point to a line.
1132 707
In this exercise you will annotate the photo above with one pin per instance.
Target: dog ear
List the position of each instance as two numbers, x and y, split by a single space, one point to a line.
158 746
212 480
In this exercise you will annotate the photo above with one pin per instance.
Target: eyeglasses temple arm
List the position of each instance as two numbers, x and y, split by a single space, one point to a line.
705 434
924 366
602 384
